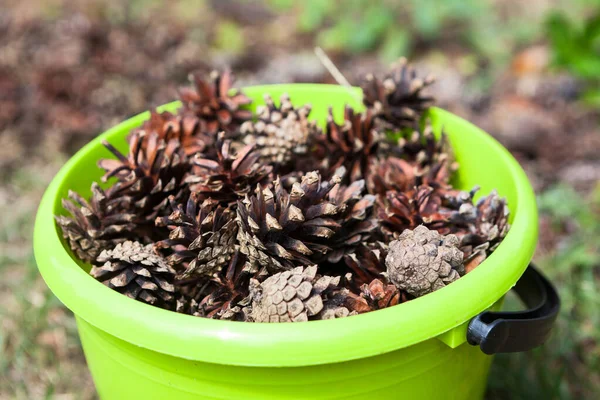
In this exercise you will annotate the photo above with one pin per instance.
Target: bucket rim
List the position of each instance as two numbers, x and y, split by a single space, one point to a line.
293 344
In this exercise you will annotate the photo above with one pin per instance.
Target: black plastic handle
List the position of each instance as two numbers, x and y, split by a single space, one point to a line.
509 332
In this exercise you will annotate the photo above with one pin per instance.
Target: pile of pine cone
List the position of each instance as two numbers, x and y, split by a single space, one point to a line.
218 213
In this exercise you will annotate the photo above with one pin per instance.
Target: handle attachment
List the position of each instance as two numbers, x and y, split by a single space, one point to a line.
508 332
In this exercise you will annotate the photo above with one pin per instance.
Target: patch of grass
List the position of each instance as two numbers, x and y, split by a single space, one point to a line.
576 48
40 353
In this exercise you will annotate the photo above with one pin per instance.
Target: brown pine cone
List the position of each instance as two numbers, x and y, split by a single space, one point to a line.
353 145
366 263
138 272
397 99
214 103
152 171
95 225
392 174
357 222
487 230
229 177
280 230
374 296
398 211
297 295
422 261
223 295
202 237
183 127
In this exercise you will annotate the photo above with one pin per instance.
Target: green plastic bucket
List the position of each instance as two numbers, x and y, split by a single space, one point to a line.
416 350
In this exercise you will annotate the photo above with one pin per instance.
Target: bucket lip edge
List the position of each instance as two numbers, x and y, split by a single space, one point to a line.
239 343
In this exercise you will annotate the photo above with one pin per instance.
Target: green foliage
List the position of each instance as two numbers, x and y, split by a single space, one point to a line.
576 48
392 28
229 37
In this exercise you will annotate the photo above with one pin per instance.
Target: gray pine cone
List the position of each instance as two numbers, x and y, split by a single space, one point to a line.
422 261
280 133
297 295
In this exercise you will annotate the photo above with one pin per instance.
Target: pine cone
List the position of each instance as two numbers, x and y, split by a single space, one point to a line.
357 223
486 232
185 128
152 171
374 296
417 158
424 149
281 230
202 237
137 272
392 174
398 211
297 295
353 145
395 174
397 99
230 176
221 296
281 133
422 261
94 226
214 103
366 263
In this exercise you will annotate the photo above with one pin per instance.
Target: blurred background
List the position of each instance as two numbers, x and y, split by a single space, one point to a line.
527 72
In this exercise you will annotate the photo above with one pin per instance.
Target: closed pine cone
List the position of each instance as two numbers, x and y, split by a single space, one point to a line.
280 133
297 295
422 261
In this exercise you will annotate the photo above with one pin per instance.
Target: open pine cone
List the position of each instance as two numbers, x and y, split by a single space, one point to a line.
366 263
215 103
231 176
397 99
152 171
374 296
221 296
352 145
95 225
357 223
280 230
417 158
202 237
398 211
185 128
137 272
487 230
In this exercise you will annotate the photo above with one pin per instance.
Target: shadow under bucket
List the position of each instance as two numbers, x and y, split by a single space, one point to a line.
415 350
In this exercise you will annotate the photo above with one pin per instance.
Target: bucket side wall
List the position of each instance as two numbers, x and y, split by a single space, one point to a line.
427 370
